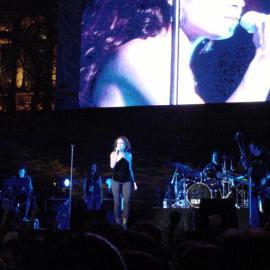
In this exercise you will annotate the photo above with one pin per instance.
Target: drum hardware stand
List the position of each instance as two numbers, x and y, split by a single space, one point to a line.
243 201
225 180
223 189
201 177
174 174
184 193
175 182
177 193
168 190
237 203
70 185
248 168
226 193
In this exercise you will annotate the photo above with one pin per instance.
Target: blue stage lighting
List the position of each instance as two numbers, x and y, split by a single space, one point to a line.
66 182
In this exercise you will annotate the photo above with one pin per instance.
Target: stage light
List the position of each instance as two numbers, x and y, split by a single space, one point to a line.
66 182
61 187
109 183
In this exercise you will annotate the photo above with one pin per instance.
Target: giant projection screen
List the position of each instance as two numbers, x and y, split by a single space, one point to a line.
126 52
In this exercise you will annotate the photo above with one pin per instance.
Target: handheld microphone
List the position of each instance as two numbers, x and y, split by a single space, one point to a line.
237 136
251 19
117 152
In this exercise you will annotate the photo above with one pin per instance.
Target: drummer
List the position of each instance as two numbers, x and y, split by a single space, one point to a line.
210 173
211 169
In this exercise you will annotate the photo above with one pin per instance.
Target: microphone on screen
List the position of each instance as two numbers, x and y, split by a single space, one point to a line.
251 19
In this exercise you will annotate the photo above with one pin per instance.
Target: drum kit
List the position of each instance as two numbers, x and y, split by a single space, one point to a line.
189 186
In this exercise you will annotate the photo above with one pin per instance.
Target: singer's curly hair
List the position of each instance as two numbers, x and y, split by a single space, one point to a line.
107 24
126 142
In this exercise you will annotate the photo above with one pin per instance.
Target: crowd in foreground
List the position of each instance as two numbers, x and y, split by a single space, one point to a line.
143 245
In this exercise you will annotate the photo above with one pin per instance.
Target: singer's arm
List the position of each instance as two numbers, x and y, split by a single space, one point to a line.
255 84
129 158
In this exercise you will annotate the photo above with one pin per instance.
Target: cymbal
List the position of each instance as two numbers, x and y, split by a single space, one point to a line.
182 166
186 169
239 178
179 165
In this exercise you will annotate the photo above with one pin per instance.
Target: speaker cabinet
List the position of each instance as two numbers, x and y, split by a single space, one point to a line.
57 213
217 212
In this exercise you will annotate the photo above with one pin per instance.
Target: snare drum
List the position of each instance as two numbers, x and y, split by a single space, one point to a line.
196 192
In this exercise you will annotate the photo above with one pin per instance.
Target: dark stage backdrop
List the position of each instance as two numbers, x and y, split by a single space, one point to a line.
160 136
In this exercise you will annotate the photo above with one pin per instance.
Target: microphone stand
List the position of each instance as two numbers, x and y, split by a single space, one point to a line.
70 185
174 174
174 88
92 190
248 169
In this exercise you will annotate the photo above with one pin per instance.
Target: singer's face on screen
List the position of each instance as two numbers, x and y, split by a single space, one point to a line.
213 19
120 145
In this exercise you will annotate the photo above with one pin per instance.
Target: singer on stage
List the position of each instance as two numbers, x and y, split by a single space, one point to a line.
219 61
122 178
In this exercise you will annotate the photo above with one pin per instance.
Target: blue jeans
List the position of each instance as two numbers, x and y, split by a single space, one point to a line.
120 190
93 202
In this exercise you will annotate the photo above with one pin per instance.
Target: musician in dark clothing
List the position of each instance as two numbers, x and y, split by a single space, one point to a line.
259 168
122 178
17 190
210 175
92 189
213 167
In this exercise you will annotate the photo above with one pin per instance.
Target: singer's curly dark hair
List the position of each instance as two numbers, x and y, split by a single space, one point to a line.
107 24
126 142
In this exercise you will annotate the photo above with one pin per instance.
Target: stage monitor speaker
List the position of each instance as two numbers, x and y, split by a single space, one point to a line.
217 212
140 214
266 207
57 211
162 216
84 220
57 214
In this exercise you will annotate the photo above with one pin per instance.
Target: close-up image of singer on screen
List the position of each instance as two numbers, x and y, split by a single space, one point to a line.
133 55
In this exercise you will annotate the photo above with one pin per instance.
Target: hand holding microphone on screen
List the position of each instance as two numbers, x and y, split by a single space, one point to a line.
255 84
258 24
251 20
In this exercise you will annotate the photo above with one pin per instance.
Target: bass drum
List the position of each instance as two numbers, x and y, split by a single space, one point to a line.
196 192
